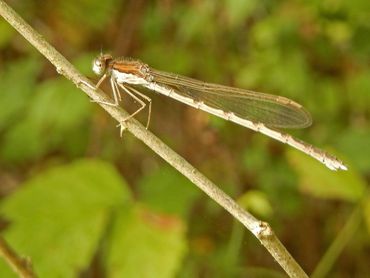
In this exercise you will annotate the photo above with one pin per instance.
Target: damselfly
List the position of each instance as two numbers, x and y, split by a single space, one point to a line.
257 111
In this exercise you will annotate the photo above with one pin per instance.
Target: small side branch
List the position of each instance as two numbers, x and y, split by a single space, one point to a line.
22 267
260 229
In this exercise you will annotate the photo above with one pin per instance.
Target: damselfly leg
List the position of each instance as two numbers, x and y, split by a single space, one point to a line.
116 95
141 102
135 94
132 93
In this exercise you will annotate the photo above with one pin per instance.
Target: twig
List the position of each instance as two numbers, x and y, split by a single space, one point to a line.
19 265
260 229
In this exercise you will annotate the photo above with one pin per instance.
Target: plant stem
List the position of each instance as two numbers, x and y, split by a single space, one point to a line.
19 265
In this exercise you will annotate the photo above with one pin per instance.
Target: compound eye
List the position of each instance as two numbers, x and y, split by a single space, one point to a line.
98 67
98 64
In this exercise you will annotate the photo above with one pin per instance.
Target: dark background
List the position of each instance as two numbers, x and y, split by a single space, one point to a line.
82 202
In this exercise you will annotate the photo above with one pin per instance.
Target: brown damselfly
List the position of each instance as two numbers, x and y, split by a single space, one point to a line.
257 111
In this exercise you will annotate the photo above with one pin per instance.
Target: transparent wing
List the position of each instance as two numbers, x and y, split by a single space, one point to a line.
273 111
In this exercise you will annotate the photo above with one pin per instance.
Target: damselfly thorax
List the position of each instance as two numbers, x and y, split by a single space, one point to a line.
257 111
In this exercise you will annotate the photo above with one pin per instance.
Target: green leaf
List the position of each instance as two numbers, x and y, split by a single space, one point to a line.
355 141
23 142
166 190
58 217
144 244
16 87
319 181
57 111
58 104
257 202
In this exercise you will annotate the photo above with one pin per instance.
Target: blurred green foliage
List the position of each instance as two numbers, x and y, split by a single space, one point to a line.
63 228
82 202
66 212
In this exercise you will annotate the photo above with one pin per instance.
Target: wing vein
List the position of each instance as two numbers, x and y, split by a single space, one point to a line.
271 110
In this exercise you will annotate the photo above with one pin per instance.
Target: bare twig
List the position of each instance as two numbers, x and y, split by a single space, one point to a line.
19 265
260 229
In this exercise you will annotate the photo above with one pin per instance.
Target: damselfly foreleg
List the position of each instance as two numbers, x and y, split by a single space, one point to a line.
149 100
136 98
100 81
116 94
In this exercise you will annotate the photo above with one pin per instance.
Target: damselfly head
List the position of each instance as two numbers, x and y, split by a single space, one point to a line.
101 63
